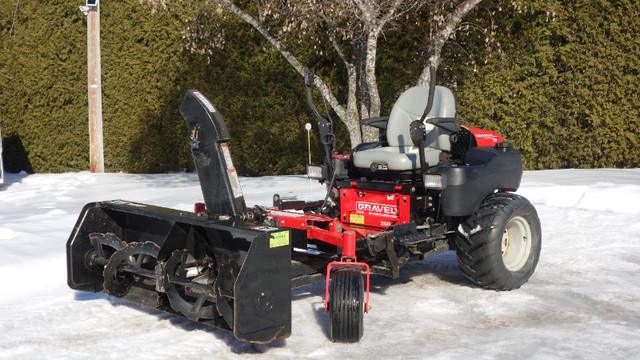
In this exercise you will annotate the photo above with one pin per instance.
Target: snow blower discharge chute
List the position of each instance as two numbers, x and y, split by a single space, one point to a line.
428 185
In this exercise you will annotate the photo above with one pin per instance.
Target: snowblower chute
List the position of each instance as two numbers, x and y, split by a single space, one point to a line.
429 185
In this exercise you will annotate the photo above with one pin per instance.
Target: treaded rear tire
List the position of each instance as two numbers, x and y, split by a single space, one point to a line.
346 306
499 245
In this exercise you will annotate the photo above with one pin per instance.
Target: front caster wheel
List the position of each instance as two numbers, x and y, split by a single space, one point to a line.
499 245
346 306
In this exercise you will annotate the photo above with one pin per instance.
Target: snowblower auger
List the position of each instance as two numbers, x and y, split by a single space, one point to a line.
429 185
219 274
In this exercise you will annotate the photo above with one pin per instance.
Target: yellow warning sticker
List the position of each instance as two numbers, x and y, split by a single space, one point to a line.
279 239
356 219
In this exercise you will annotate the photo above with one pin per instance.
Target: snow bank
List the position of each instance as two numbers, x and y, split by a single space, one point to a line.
609 190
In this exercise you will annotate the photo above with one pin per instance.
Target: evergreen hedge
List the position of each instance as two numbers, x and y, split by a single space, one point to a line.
145 73
563 88
43 87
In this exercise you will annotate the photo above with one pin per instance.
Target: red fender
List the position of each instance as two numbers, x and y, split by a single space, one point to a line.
485 137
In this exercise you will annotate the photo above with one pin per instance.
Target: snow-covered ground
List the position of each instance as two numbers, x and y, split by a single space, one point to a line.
583 301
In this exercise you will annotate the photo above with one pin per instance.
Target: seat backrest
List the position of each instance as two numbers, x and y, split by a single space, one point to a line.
410 106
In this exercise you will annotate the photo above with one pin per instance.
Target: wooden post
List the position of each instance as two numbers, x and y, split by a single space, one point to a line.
96 153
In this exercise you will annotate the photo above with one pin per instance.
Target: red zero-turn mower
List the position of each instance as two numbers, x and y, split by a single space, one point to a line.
429 185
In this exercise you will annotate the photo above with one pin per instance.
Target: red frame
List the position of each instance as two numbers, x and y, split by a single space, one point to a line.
361 212
319 227
331 231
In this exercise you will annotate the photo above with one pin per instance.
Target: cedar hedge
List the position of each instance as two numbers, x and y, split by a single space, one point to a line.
563 88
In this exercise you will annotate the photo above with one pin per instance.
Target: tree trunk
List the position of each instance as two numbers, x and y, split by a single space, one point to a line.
441 36
351 118
371 134
373 22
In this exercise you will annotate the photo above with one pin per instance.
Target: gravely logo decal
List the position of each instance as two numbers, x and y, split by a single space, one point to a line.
377 209
489 136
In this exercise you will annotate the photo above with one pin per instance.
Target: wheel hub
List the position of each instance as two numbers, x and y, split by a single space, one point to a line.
516 243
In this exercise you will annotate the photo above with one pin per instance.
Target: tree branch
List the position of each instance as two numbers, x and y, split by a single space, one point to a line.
297 65
388 15
332 37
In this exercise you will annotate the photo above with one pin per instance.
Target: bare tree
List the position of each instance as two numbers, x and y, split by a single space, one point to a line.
352 28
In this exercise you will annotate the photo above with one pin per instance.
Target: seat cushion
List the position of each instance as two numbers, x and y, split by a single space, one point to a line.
410 106
396 158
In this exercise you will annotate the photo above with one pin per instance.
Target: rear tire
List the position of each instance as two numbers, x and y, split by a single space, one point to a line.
499 245
346 306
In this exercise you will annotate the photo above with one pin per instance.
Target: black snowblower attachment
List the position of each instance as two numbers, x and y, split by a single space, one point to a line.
216 267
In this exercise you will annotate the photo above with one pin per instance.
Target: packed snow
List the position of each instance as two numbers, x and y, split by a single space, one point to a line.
583 301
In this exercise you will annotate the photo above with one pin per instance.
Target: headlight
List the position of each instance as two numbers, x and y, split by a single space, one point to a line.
317 172
434 181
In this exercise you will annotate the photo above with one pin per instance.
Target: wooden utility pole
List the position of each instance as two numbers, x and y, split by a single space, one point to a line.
95 89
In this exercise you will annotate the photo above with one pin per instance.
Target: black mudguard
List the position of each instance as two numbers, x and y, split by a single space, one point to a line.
253 263
486 170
